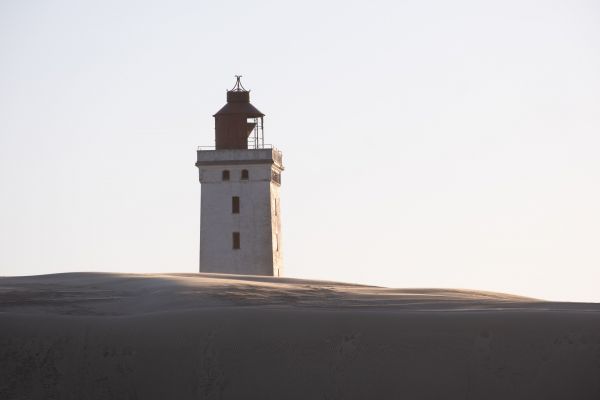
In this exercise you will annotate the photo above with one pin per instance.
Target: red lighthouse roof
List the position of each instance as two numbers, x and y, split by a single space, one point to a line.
238 102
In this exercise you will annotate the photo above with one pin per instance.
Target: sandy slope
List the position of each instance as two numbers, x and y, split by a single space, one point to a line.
206 336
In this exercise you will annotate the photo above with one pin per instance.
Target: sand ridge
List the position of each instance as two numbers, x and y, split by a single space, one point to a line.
126 294
200 336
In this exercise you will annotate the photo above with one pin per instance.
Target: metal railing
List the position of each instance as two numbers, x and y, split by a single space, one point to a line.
256 138
264 146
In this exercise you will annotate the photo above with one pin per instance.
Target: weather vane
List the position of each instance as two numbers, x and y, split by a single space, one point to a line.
238 85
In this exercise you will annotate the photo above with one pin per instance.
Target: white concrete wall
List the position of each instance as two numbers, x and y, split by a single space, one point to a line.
258 221
276 229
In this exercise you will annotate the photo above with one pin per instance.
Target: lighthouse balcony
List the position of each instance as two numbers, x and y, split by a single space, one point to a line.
208 155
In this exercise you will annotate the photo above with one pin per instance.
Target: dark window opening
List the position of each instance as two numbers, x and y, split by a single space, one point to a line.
225 175
245 174
235 205
276 177
236 240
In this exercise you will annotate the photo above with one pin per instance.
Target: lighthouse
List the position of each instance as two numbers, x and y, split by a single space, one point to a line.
240 177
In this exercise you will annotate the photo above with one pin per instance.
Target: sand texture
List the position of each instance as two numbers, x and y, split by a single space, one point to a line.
206 336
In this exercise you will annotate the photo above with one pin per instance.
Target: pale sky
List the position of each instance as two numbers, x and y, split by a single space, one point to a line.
426 143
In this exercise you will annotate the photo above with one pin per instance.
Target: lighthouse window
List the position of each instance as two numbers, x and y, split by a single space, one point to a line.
235 205
276 177
236 240
245 174
225 175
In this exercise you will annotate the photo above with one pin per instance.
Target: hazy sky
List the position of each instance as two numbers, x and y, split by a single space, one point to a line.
427 143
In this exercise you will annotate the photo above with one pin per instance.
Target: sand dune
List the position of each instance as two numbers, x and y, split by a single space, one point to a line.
209 336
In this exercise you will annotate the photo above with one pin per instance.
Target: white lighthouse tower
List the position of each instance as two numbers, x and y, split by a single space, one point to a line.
240 228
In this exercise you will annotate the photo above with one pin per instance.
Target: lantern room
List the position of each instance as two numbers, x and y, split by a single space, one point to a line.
238 124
